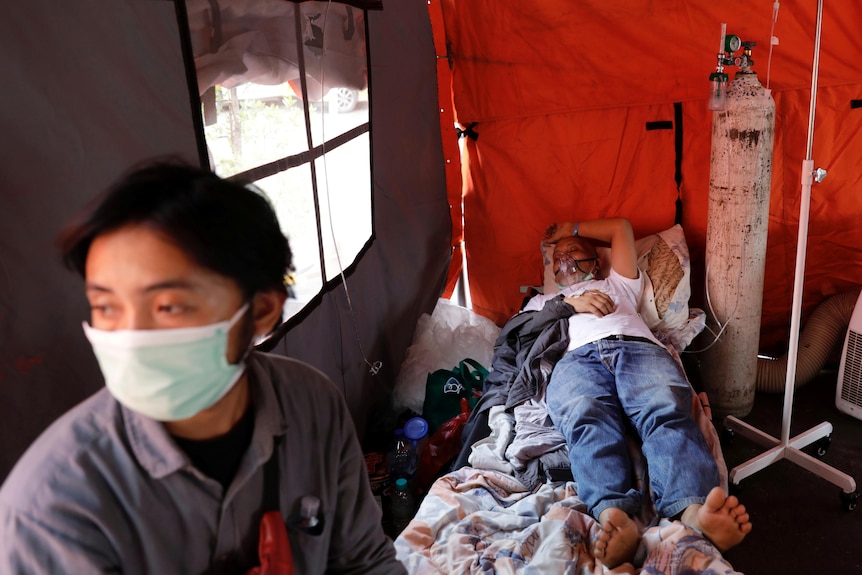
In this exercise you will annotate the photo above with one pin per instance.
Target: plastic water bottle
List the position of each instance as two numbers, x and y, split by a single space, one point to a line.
402 505
402 457
416 432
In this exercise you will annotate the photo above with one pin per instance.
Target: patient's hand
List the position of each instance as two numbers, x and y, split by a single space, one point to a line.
557 231
595 302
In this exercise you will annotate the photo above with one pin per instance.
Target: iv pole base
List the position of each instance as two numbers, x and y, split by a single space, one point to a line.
790 451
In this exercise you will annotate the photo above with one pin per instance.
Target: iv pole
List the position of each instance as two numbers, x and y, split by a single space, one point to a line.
787 447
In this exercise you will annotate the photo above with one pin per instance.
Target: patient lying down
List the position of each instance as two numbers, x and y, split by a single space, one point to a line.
615 375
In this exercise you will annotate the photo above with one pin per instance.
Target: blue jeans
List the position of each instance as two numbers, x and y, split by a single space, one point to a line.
597 390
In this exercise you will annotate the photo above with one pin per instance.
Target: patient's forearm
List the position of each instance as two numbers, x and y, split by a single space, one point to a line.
602 229
607 230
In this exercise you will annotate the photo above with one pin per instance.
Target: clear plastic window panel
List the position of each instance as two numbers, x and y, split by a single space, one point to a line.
254 105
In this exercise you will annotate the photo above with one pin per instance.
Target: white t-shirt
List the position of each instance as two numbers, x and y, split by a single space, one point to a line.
586 328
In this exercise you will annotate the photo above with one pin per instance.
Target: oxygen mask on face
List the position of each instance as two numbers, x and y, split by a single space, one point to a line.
571 271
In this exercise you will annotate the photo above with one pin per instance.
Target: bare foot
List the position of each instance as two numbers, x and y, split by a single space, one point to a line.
617 542
722 519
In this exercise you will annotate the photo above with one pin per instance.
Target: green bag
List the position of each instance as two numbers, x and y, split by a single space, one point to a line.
444 389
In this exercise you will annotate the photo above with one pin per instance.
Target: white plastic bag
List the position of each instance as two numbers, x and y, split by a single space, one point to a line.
441 340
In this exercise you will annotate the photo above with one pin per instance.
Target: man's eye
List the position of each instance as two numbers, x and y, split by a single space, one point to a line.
171 309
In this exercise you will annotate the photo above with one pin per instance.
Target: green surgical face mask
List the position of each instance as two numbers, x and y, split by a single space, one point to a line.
569 276
167 374
576 279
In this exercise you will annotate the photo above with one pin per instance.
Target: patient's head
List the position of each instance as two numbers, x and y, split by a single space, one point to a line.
575 260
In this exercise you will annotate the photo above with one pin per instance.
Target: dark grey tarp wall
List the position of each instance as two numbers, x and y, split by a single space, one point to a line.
91 87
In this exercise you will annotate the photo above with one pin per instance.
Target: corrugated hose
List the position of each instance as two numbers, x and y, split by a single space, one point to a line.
822 332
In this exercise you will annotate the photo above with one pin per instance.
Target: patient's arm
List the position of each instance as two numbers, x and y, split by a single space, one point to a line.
615 231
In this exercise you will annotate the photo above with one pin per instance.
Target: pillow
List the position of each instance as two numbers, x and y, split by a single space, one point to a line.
664 260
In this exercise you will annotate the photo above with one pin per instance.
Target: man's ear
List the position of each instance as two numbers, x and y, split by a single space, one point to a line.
267 307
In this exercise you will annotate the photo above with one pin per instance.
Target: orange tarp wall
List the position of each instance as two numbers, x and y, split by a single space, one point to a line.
560 95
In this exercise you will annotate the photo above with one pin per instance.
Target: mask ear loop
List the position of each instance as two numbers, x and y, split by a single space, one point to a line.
238 314
245 308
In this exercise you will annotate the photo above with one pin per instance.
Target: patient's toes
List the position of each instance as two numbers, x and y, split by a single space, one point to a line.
722 519
617 541
601 542
716 499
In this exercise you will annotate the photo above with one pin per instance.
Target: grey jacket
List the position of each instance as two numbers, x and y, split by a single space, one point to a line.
106 490
525 353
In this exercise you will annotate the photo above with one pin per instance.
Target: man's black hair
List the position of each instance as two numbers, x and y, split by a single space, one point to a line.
223 225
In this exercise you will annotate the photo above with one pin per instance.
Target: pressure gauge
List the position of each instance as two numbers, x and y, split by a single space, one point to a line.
732 43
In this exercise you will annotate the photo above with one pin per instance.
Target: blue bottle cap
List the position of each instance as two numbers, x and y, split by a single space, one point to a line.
400 484
416 428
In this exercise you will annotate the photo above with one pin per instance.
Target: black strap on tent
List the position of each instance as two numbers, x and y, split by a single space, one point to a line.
677 164
659 125
677 175
468 131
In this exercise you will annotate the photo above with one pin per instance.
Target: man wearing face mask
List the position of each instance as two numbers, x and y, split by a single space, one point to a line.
614 375
172 466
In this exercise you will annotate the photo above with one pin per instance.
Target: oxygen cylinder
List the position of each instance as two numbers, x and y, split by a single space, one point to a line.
739 182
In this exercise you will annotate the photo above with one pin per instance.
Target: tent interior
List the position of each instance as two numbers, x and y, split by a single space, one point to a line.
485 121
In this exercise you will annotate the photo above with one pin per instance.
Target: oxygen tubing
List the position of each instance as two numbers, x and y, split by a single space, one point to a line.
826 326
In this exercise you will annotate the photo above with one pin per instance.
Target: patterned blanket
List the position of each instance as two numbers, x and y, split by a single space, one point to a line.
481 521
